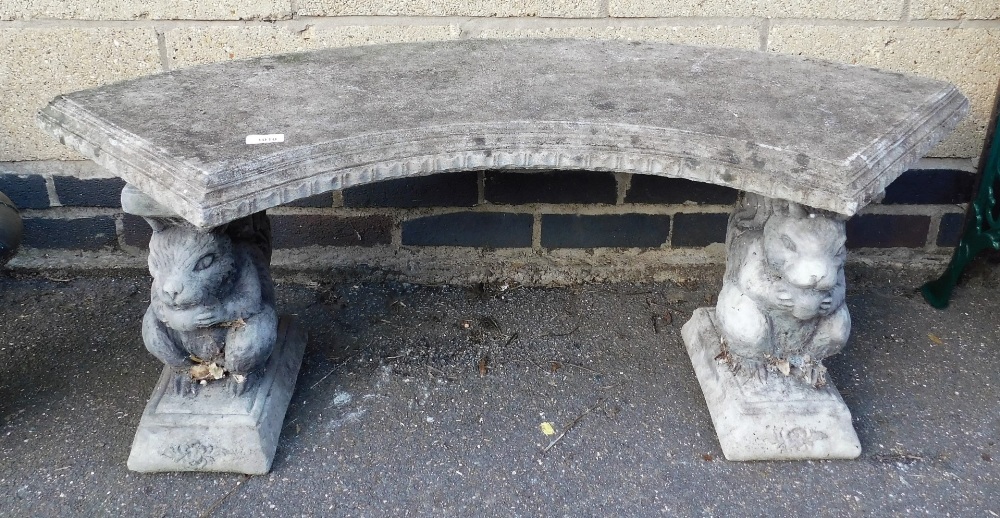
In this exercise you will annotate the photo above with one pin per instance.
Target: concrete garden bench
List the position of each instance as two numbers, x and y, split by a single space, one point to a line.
207 150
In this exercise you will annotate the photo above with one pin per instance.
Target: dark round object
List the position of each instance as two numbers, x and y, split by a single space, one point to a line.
11 229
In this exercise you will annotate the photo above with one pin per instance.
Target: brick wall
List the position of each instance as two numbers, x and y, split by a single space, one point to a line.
535 226
539 222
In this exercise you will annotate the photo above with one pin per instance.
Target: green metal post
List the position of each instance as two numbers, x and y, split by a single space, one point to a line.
982 231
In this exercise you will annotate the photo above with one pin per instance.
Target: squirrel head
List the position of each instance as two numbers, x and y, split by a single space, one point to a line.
191 268
807 250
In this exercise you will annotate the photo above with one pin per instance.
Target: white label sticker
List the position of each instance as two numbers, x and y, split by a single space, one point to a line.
265 139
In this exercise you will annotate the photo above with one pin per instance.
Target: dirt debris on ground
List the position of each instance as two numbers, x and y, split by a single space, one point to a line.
428 401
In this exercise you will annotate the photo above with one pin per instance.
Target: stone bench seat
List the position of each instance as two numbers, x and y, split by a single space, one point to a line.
826 135
207 150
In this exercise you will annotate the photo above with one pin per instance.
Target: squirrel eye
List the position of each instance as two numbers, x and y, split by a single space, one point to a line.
785 240
205 261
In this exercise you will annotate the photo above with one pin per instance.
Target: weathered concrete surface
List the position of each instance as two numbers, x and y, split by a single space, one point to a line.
74 58
766 418
782 298
391 415
504 8
740 36
145 10
216 431
826 135
955 9
208 44
966 56
872 10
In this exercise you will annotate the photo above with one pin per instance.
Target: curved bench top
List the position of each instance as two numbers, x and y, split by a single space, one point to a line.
827 135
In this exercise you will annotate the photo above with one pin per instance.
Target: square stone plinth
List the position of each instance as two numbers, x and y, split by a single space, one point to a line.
214 430
776 418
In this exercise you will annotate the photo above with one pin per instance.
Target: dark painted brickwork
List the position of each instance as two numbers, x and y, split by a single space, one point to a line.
101 192
931 186
887 230
616 229
656 189
324 200
611 230
136 231
950 231
509 188
439 190
82 234
27 192
697 230
299 231
489 229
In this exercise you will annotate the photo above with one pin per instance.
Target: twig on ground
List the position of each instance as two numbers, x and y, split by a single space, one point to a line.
571 425
323 378
341 360
208 512
440 374
533 362
491 324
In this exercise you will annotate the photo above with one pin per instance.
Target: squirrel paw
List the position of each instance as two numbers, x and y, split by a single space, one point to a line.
238 384
182 384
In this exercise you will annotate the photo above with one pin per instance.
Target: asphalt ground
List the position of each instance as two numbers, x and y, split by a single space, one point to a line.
431 401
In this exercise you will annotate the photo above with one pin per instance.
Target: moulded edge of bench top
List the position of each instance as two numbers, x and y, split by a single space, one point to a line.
827 135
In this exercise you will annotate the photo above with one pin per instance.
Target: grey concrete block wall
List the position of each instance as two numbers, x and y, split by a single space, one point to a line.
55 47
47 48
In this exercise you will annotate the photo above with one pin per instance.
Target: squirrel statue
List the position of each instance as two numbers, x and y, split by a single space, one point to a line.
212 300
782 300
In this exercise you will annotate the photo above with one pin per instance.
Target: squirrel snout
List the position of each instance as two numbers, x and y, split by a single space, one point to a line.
812 275
172 290
807 281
